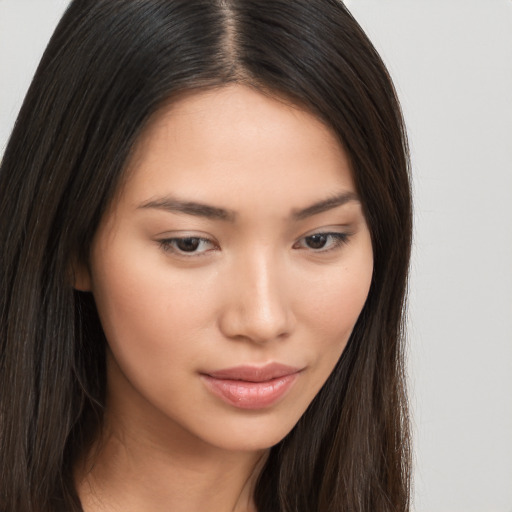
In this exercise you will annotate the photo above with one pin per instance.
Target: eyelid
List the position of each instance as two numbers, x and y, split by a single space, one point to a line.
340 238
167 244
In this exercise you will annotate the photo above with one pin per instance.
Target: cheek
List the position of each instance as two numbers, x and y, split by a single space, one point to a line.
331 304
348 298
150 315
333 301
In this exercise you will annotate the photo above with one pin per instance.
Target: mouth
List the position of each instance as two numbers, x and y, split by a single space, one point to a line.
249 387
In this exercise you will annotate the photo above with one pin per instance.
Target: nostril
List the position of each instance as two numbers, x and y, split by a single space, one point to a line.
262 324
258 303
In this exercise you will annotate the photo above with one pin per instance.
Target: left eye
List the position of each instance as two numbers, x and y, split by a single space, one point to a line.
187 245
322 241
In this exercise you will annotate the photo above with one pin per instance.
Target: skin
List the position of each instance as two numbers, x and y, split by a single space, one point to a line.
254 287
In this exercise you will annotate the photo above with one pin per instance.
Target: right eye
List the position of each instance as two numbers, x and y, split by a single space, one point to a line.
187 246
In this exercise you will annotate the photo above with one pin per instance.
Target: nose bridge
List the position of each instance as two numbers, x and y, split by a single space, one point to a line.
259 308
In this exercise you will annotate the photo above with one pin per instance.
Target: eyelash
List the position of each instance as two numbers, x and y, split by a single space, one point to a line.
338 240
170 244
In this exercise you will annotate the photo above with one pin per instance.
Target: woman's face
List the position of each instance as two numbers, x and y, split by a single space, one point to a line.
229 272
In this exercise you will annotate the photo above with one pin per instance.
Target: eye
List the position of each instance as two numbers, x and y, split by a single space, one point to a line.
322 242
188 246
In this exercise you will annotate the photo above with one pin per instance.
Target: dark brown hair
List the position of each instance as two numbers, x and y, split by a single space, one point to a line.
109 67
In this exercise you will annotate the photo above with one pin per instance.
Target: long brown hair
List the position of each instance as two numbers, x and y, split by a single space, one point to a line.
110 65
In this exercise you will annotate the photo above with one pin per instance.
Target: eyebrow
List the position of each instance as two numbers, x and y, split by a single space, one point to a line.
325 205
190 208
174 205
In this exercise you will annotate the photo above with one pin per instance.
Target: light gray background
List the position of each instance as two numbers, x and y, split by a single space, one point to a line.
452 64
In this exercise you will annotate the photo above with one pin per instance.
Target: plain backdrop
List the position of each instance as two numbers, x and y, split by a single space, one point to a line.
452 64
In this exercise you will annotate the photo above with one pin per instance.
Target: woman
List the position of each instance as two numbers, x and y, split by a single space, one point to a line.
205 223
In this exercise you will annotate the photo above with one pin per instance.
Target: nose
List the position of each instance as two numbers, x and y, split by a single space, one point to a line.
257 305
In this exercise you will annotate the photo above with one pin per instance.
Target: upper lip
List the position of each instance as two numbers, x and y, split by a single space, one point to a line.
254 373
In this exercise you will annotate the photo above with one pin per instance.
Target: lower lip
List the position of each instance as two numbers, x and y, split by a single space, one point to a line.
250 395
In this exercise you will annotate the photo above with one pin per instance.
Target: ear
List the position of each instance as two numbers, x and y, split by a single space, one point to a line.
81 277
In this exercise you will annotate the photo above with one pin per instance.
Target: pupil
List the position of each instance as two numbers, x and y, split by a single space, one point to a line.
316 241
188 244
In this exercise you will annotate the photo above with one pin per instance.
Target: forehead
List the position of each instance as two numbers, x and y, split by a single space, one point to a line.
235 141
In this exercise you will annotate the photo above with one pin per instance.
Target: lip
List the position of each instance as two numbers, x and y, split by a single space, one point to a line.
251 387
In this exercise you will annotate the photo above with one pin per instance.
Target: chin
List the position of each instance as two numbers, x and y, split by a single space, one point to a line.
256 434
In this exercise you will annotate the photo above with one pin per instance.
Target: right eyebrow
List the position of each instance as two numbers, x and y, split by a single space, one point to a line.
173 205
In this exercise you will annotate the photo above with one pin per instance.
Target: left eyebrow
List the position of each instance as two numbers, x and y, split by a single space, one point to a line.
325 205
